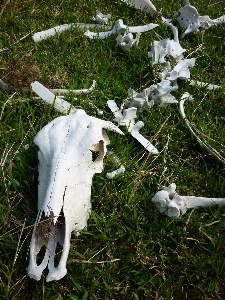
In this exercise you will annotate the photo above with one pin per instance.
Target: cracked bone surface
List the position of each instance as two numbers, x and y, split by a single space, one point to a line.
66 167
168 202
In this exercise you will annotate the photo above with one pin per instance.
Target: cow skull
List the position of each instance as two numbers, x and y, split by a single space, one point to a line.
66 167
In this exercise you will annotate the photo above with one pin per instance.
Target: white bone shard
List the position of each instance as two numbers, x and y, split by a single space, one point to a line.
120 29
165 71
156 94
142 28
168 202
181 70
43 35
101 19
139 100
191 21
66 168
142 4
160 93
126 42
116 172
160 49
135 133
206 22
75 92
127 118
116 162
188 19
166 47
205 84
58 103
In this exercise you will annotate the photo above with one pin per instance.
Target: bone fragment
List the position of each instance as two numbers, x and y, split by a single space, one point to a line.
120 29
101 19
143 5
58 103
139 100
43 35
204 84
160 49
118 171
181 70
147 145
143 28
168 202
75 92
206 146
191 21
127 118
126 42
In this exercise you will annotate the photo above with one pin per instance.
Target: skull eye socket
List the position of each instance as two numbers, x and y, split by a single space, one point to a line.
97 151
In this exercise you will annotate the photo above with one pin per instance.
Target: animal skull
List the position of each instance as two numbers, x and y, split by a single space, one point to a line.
66 168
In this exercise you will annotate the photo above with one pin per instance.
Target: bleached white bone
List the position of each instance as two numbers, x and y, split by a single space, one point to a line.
126 42
188 18
58 103
120 29
191 21
181 70
101 19
205 145
75 92
116 172
141 28
43 35
66 168
160 93
205 84
127 118
163 48
139 100
168 202
135 133
116 162
142 4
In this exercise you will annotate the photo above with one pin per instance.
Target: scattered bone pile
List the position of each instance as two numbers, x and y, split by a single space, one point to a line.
71 210
66 145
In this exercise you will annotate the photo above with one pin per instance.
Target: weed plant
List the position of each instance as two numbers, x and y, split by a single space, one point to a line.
129 250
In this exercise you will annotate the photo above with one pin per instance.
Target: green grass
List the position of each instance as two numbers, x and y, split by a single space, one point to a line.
159 258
